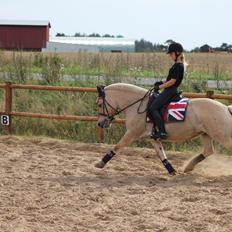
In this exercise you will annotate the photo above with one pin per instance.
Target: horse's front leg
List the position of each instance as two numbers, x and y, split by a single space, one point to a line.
161 153
127 139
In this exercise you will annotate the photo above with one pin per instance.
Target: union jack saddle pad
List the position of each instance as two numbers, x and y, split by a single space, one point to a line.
176 111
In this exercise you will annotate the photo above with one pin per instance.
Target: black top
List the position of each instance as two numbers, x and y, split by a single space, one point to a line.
176 72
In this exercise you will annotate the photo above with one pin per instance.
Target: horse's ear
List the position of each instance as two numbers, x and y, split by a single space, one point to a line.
100 90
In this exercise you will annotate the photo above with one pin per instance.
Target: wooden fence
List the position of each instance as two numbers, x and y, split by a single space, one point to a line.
7 114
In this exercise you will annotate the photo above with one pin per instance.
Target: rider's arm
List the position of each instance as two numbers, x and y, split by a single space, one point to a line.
167 84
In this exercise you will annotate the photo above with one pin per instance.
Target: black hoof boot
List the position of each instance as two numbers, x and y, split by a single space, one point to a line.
169 167
105 160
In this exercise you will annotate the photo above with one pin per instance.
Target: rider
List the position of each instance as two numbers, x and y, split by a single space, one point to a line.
170 86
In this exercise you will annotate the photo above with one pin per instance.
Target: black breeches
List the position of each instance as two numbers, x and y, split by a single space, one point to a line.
154 109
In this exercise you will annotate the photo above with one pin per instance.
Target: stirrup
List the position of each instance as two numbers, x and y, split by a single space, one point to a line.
158 135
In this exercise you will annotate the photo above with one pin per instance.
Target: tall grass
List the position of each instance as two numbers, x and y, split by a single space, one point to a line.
201 66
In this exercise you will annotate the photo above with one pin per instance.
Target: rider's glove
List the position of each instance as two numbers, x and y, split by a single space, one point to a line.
158 83
156 88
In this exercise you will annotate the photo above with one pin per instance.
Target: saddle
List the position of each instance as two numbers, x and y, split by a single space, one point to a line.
173 111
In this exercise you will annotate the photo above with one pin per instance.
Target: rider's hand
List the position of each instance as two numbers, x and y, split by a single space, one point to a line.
158 83
156 88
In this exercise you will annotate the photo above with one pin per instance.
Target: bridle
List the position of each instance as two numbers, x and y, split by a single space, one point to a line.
105 109
106 104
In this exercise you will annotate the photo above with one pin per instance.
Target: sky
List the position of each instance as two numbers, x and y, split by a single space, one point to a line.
190 22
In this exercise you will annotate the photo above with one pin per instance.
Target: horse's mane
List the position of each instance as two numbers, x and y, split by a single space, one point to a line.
126 87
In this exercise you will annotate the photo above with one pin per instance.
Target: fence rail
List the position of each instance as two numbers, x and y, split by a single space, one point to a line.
9 87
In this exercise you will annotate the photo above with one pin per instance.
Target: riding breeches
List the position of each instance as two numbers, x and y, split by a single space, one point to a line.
154 109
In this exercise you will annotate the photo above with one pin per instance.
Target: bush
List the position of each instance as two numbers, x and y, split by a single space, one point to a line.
52 70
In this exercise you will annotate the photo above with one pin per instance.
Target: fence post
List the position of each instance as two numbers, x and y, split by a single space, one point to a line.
210 94
100 135
8 106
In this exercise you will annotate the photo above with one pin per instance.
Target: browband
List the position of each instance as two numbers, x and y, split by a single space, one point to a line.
101 91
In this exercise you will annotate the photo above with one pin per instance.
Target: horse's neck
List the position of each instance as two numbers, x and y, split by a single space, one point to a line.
124 99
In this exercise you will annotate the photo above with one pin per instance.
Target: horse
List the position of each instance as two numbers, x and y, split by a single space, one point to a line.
207 118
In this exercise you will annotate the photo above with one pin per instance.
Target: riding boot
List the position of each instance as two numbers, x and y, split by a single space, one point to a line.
159 135
158 122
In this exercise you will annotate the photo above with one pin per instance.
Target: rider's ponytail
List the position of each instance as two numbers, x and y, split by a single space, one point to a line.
181 58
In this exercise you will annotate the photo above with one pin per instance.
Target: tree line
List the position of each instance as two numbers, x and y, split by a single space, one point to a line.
147 46
225 47
78 34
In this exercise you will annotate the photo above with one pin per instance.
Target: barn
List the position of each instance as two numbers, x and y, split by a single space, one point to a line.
24 35
90 44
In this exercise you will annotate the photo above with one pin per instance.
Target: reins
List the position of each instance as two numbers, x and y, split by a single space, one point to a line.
148 93
111 117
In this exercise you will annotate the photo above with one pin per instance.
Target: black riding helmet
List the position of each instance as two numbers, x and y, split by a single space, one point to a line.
175 47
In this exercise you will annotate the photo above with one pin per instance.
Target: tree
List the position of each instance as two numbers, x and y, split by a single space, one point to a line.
60 34
196 49
108 36
143 46
230 48
94 35
224 47
160 48
205 48
78 34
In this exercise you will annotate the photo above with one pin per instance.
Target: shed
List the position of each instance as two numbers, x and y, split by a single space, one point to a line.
24 35
206 48
90 44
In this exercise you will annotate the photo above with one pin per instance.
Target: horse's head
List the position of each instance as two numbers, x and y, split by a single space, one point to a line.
106 110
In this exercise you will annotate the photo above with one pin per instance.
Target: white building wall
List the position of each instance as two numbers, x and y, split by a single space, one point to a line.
88 44
66 47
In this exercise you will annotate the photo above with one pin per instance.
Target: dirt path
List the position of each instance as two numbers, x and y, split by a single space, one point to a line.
51 185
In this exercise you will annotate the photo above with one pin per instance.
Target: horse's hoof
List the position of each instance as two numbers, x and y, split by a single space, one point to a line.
100 164
172 173
193 162
188 168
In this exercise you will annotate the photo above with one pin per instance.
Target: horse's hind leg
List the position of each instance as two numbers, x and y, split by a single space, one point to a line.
127 139
227 144
208 150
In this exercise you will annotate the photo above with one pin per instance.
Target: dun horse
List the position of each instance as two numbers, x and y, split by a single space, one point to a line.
205 117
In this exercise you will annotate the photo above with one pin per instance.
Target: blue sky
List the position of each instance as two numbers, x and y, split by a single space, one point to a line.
191 22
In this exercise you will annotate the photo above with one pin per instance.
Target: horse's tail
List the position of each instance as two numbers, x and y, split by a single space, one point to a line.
230 109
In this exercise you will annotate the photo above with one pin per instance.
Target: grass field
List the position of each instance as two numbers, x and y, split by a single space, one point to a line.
19 66
217 66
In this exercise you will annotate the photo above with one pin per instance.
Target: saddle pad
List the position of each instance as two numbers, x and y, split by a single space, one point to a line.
176 111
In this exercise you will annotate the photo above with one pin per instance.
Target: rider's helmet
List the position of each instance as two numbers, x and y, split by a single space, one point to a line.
175 47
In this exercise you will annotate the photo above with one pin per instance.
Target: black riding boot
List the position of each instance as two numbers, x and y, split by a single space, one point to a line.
162 99
158 122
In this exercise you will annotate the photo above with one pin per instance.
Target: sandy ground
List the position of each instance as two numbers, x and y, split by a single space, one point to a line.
52 185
